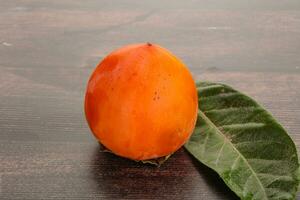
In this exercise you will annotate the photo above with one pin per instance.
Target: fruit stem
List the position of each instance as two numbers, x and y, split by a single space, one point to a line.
149 44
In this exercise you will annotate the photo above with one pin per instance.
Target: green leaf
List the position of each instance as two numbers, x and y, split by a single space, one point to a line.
244 144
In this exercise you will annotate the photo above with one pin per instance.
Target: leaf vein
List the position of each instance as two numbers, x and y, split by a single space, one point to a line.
242 157
228 94
219 154
233 109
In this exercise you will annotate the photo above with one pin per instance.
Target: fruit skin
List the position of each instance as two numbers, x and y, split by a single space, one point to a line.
141 102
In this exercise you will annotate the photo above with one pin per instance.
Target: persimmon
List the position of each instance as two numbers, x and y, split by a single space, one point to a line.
141 102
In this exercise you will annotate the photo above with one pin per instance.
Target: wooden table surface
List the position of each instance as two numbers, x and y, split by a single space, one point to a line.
49 48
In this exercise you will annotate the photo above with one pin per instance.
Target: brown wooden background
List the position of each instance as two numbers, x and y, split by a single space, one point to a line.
49 48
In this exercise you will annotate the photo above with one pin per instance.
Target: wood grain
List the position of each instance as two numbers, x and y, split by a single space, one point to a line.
47 150
48 49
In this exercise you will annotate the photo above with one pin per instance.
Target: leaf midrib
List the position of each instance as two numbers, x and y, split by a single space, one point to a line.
225 138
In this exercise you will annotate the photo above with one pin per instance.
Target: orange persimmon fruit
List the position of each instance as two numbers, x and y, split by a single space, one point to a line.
141 102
